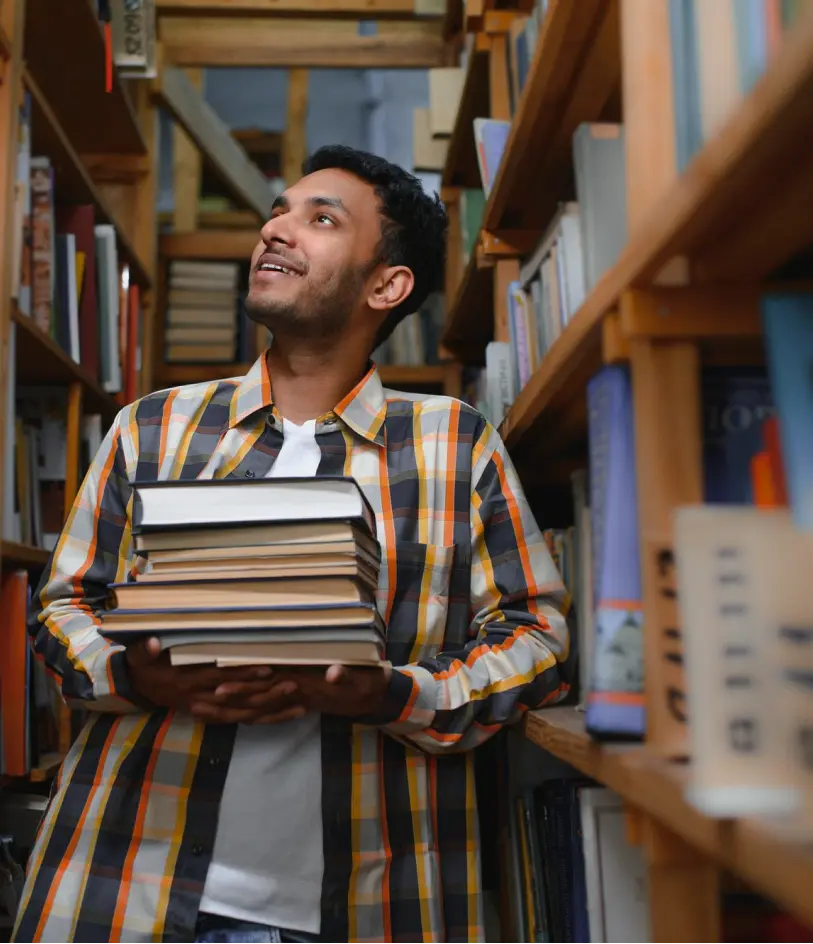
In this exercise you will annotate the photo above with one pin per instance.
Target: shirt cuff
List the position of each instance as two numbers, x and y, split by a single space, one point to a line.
409 704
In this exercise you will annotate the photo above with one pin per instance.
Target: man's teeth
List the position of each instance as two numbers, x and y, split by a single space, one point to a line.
270 267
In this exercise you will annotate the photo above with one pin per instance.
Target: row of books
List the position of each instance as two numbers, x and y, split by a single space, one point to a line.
204 318
741 662
573 875
67 274
719 50
416 339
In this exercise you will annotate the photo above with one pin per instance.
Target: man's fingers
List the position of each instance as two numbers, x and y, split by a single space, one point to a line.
228 690
208 678
289 714
337 674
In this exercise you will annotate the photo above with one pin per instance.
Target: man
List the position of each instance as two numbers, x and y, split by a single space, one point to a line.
204 804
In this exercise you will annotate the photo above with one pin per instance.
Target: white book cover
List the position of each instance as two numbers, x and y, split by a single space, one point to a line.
738 585
73 296
108 293
615 871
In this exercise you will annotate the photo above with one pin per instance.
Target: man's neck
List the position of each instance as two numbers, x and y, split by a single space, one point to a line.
307 383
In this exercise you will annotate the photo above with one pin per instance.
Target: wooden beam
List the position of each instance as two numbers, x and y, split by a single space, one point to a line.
210 244
323 43
213 138
372 9
187 168
294 142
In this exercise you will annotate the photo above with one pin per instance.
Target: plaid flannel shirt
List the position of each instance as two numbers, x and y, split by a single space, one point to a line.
474 611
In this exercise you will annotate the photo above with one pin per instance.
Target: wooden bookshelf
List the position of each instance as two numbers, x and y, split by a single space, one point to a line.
461 168
14 554
226 244
73 182
469 320
575 76
411 375
5 44
174 375
65 53
47 768
41 361
701 218
762 855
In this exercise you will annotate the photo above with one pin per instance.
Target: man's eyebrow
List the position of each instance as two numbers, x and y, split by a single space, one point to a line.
334 202
280 202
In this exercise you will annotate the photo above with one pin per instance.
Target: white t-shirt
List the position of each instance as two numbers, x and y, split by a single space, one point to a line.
268 861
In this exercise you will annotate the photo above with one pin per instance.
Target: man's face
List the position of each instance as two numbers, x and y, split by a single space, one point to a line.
310 271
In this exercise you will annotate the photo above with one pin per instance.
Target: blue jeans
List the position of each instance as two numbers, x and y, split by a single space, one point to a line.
214 928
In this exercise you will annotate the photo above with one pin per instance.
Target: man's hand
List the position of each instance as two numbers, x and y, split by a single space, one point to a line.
350 691
203 691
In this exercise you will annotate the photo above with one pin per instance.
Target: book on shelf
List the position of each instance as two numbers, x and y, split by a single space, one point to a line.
280 571
490 138
719 51
202 323
445 89
133 34
68 276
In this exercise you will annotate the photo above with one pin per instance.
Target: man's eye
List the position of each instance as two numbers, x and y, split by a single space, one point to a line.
324 218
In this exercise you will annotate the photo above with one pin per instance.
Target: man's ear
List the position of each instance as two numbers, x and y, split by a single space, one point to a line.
392 286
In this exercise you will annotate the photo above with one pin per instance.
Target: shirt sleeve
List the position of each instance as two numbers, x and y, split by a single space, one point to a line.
519 655
93 551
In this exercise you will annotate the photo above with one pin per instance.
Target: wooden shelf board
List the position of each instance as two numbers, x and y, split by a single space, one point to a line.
452 19
72 181
41 361
574 76
714 206
763 855
461 168
176 375
236 244
48 766
421 375
23 555
66 56
470 323
6 46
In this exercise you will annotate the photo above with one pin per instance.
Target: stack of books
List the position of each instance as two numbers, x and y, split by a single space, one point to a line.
257 571
202 307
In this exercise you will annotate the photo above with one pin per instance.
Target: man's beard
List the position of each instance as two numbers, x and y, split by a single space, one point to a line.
314 315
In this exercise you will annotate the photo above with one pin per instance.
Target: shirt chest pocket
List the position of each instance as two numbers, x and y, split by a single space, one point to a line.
418 602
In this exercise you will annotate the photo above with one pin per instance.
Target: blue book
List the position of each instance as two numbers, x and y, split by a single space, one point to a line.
788 322
490 137
615 700
736 402
685 81
752 41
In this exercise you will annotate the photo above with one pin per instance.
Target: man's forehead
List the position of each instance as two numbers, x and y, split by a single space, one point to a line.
334 183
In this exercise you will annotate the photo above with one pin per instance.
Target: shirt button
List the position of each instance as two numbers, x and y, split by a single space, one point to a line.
214 761
197 849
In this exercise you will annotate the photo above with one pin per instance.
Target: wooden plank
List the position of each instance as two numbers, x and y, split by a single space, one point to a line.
145 230
94 119
14 554
666 397
210 244
73 437
213 138
731 311
574 72
461 168
294 143
505 272
372 9
327 43
499 93
405 375
649 118
684 888
41 360
770 857
470 323
454 243
187 169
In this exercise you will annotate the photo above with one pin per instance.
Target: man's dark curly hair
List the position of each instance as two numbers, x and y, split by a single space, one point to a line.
413 224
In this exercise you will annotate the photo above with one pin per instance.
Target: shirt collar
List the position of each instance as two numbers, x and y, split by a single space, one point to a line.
363 409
